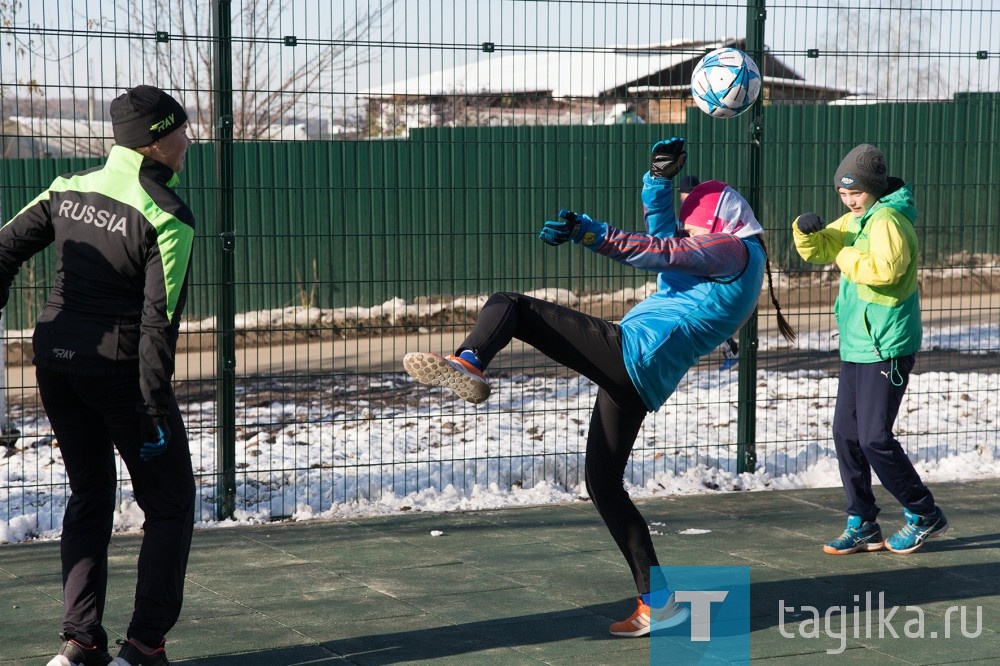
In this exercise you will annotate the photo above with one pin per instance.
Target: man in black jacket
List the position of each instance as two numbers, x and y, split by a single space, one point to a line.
104 349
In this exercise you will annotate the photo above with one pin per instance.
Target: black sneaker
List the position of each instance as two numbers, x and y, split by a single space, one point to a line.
73 653
134 653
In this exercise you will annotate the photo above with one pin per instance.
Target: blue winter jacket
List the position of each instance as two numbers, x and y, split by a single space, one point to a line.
707 287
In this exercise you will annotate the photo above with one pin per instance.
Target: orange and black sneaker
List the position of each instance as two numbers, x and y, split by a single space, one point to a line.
450 372
644 619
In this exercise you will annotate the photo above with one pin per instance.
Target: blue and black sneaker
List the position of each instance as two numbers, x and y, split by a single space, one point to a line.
858 535
917 530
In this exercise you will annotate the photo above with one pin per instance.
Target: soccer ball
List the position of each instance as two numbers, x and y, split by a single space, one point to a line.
725 83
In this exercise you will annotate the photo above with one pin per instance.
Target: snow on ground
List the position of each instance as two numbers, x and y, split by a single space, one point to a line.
340 451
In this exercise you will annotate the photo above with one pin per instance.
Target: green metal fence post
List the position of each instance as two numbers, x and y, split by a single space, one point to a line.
225 455
746 423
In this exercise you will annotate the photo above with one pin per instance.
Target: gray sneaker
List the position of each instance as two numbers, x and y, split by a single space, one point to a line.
450 372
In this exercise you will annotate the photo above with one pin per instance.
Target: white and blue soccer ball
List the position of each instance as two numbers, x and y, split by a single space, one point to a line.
725 83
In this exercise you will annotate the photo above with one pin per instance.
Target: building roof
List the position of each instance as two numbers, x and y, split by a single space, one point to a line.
58 137
558 74
34 137
608 72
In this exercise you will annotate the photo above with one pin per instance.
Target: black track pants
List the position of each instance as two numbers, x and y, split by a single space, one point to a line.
89 416
592 347
868 400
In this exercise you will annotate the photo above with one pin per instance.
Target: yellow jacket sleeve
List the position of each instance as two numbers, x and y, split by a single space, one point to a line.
822 247
887 256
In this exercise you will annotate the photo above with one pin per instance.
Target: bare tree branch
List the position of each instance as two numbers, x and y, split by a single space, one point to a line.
885 52
265 93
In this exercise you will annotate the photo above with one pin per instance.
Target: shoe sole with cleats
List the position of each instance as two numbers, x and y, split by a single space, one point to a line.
449 373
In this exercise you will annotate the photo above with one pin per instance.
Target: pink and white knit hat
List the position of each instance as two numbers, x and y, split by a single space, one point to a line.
715 206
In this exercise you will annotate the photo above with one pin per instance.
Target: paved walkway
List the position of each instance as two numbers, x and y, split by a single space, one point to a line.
197 358
540 585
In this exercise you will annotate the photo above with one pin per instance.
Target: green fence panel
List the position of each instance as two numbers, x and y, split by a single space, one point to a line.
456 211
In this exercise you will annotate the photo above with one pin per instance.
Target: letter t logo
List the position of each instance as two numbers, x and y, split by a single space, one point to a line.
701 610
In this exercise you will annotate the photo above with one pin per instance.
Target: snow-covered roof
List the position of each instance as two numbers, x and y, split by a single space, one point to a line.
275 132
773 81
64 137
559 73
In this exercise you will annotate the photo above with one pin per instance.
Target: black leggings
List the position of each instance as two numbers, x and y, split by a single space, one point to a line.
592 347
89 416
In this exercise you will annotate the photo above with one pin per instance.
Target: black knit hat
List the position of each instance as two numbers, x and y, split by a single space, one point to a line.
863 169
144 115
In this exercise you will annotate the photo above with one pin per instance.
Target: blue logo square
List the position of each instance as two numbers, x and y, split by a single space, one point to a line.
707 621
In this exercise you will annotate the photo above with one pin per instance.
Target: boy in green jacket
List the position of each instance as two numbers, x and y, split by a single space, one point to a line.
878 318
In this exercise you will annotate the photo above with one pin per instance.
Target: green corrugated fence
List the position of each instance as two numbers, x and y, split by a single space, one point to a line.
450 211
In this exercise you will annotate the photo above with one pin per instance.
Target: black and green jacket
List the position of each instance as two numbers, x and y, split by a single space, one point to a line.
122 239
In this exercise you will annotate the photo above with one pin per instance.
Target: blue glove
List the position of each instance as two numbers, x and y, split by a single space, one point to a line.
155 436
809 223
579 228
567 228
668 157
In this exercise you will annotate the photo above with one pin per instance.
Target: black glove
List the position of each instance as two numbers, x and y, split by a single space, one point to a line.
668 157
155 435
809 223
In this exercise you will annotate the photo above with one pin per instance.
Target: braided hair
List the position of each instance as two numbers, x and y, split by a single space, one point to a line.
786 330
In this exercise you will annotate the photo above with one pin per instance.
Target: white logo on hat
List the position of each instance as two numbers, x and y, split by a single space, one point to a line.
847 180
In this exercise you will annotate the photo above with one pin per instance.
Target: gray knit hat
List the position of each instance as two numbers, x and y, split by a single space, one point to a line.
863 169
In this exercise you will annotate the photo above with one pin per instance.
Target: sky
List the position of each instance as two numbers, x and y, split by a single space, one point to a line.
321 459
420 36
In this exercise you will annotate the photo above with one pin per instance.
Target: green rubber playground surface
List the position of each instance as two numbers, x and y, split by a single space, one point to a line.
540 585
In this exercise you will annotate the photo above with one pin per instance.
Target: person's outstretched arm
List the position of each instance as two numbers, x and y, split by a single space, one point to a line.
708 255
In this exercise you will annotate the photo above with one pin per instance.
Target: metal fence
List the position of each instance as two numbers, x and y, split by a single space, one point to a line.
365 175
